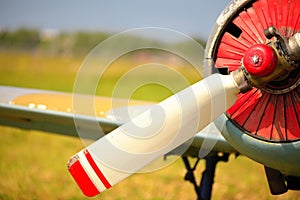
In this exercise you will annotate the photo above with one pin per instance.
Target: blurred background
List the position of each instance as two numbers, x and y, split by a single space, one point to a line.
75 27
43 45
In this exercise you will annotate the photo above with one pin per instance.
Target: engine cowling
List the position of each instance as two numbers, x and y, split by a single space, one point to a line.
261 35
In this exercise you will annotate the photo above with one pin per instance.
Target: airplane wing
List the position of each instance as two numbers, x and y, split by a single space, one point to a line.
43 110
52 112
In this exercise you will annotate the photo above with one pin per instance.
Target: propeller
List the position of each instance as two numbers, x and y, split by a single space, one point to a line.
152 134
170 123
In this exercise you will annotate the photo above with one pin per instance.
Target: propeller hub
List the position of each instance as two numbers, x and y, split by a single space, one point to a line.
260 60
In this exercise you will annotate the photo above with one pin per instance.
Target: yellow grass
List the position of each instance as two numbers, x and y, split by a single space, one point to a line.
33 164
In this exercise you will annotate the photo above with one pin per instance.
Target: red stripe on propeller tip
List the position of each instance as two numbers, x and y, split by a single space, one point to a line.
82 179
96 169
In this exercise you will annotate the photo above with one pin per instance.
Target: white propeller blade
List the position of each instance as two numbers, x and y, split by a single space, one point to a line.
152 134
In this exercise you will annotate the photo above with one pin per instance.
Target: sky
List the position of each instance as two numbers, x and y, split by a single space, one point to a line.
192 17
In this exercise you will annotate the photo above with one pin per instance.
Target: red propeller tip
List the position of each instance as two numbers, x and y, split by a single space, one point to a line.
82 179
87 174
260 60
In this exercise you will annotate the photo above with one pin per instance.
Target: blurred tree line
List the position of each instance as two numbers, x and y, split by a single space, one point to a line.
56 43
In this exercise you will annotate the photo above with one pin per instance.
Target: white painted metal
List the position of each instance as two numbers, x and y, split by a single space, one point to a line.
163 127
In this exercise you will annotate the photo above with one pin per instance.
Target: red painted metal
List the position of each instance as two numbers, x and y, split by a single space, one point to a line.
293 132
279 129
97 170
255 117
82 179
263 114
242 114
265 62
267 122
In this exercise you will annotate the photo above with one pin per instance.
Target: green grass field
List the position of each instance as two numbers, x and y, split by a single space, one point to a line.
33 164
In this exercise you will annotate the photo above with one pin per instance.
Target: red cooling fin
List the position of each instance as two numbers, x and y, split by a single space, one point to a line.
271 113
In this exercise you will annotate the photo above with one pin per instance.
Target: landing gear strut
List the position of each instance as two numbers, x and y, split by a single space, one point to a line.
204 190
